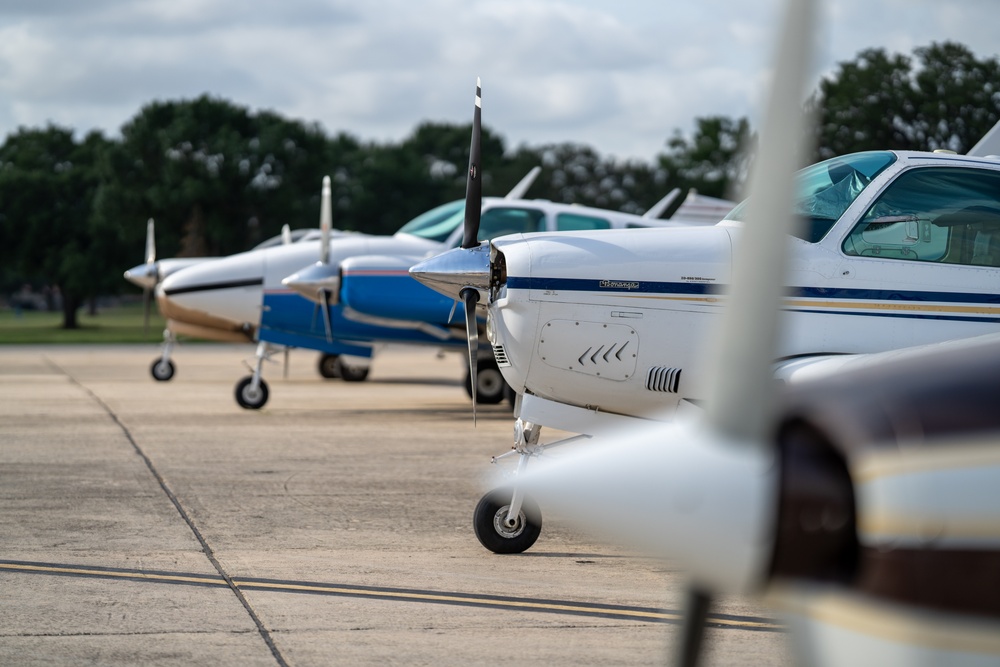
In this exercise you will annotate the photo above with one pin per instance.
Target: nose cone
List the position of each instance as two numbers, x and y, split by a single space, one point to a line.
312 281
451 271
144 275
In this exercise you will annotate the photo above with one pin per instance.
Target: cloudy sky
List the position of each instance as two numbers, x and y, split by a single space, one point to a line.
619 75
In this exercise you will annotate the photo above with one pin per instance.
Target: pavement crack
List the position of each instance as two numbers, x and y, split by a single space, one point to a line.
206 548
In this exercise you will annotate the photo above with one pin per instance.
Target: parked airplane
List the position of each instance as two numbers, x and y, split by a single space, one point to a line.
863 503
153 271
594 330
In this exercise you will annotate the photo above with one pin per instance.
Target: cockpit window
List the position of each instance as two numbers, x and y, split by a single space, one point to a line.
438 223
568 222
827 189
933 214
501 220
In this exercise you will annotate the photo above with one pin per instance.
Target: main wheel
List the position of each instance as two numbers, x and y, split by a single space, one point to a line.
490 522
329 366
248 397
351 373
162 370
490 385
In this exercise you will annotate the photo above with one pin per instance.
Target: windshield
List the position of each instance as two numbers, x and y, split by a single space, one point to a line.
828 188
438 223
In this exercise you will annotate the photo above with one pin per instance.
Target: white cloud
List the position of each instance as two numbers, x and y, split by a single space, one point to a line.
619 76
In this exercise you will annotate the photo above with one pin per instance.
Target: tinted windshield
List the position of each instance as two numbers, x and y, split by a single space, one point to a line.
828 188
438 223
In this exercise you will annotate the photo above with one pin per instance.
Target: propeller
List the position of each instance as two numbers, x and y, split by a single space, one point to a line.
320 282
147 296
703 491
325 224
473 213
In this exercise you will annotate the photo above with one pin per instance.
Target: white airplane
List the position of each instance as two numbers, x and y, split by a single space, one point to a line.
595 330
153 271
861 501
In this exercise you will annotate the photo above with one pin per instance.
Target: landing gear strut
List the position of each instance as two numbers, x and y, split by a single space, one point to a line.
163 369
506 521
251 391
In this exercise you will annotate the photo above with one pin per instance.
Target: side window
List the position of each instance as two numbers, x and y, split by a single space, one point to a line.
946 215
499 221
568 222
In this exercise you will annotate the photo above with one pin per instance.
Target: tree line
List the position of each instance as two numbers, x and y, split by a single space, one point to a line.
218 177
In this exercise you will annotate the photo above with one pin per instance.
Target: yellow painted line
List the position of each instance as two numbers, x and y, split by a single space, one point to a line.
892 306
248 584
793 303
140 576
522 604
894 623
928 527
973 453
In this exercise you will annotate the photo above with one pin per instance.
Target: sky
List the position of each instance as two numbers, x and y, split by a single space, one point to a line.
621 76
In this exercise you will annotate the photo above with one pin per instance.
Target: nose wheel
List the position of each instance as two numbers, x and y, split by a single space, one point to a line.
162 370
501 533
249 396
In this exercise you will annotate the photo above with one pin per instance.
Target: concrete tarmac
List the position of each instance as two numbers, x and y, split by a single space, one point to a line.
159 523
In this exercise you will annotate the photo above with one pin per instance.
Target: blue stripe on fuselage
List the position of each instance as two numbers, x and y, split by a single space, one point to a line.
287 315
873 299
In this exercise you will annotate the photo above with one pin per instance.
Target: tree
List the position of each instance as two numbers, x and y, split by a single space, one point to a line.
880 101
958 99
47 186
714 161
215 177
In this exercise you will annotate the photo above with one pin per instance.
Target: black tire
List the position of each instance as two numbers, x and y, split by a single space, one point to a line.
161 370
491 388
351 373
490 515
328 366
249 399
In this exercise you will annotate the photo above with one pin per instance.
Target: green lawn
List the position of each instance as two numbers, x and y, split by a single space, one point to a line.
120 324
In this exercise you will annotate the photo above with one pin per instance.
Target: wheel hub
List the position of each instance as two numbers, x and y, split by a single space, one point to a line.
500 523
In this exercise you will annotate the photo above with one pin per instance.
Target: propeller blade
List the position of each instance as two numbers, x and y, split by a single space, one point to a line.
147 301
150 242
696 607
325 221
741 403
327 322
704 491
470 296
474 183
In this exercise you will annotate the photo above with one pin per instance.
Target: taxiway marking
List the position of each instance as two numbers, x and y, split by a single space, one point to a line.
594 610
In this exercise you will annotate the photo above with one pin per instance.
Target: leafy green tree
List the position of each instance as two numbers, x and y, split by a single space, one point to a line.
216 177
877 101
47 185
958 97
714 161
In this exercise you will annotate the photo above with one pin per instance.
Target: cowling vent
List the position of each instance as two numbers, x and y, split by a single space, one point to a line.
659 378
500 354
